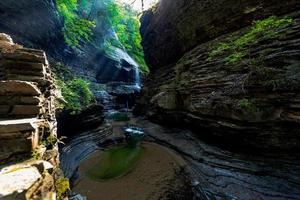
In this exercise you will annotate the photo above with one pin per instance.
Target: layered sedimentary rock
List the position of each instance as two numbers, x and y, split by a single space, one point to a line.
175 26
238 94
252 101
27 124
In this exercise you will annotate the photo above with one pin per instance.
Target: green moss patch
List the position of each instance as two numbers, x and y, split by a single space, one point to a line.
238 48
115 162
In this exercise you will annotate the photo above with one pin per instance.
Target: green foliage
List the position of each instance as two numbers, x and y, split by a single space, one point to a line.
126 24
76 93
76 29
35 155
234 57
219 49
62 185
237 49
49 142
247 105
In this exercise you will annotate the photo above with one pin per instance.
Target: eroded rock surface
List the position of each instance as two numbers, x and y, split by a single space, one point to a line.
253 102
220 174
244 112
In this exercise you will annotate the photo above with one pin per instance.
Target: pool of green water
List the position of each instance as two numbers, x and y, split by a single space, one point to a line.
115 162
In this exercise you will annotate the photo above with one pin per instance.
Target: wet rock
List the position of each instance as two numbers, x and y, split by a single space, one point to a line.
88 119
216 173
80 147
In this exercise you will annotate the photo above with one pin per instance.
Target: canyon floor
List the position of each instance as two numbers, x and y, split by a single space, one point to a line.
156 175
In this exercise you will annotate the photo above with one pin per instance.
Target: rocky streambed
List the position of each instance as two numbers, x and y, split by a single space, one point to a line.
175 164
153 171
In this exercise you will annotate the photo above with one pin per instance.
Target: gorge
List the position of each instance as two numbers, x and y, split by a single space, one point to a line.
187 100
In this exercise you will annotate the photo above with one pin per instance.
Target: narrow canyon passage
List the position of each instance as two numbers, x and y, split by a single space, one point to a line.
149 100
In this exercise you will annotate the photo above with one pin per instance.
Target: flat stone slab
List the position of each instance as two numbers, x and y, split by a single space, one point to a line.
17 181
18 87
10 126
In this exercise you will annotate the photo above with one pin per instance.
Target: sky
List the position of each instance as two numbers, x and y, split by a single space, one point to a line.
137 4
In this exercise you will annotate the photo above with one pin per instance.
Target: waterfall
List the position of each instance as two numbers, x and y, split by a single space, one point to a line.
137 78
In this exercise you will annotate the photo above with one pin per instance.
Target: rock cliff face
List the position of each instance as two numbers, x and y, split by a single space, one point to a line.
251 101
27 124
37 24
33 24
176 26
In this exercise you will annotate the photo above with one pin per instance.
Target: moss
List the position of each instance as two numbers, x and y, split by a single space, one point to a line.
247 105
35 155
115 163
62 185
76 31
219 49
235 57
237 48
49 142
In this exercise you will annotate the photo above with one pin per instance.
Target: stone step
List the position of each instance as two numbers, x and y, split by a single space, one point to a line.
18 136
20 100
26 55
21 88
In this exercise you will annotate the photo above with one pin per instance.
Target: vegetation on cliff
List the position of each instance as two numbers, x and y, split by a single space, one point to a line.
79 26
76 28
237 48
126 24
76 93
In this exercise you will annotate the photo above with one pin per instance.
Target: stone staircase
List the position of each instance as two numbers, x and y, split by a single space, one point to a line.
27 117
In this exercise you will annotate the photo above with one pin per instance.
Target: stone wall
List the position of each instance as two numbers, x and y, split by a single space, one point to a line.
27 123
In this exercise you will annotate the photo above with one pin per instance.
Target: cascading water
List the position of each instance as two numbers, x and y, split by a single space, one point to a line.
137 79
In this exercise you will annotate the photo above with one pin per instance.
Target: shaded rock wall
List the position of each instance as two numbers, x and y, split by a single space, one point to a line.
250 103
33 24
176 26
